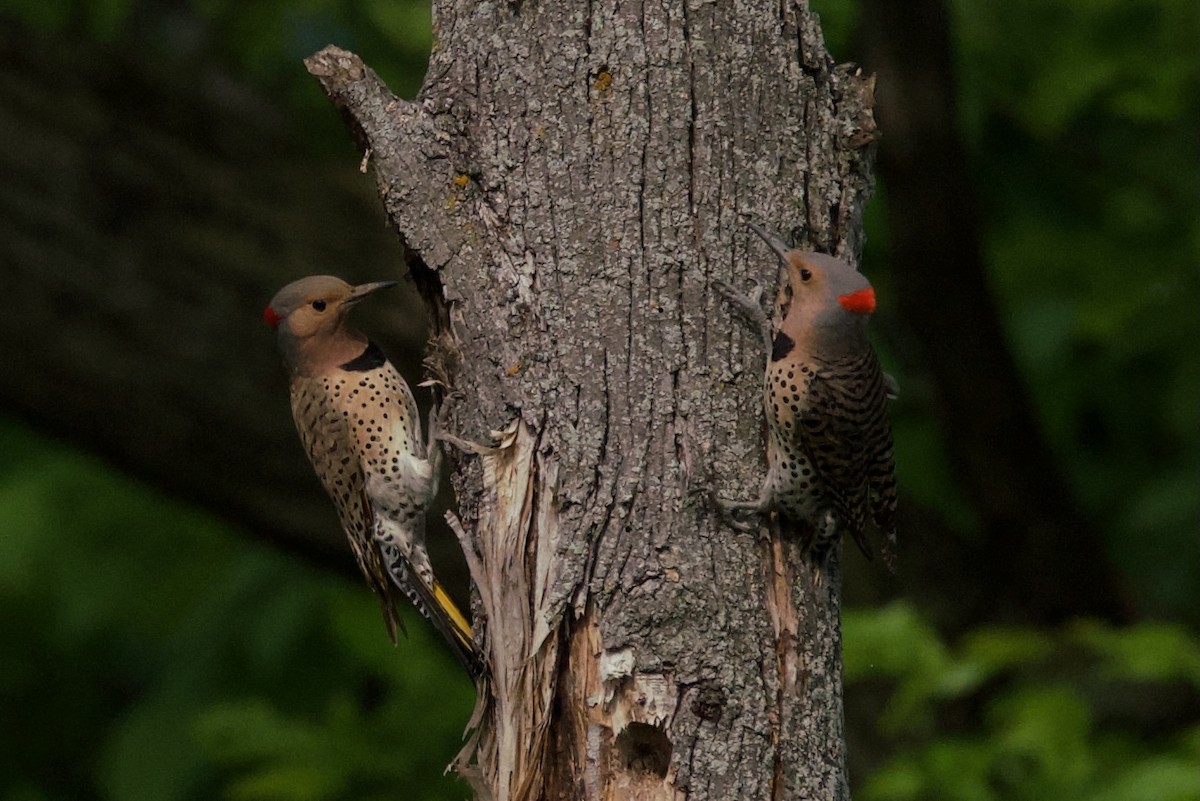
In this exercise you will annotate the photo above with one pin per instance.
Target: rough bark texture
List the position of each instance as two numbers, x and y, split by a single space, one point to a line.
568 184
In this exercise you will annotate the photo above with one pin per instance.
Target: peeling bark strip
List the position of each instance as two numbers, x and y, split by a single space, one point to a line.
568 184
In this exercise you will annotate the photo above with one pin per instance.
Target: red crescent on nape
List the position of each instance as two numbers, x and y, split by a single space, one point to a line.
860 302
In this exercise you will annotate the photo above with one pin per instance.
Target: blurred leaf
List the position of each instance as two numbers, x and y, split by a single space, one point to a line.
299 782
952 769
146 757
896 642
1042 736
998 647
893 641
1148 651
901 779
1049 728
197 664
1165 778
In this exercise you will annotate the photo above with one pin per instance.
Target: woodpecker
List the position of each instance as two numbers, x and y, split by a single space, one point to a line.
359 424
829 446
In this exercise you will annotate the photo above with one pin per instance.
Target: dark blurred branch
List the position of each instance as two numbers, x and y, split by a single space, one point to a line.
1041 559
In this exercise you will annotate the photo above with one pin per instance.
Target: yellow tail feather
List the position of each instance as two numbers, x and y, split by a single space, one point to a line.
462 629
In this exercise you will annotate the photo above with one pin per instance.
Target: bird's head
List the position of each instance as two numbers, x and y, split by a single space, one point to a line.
309 315
825 289
315 305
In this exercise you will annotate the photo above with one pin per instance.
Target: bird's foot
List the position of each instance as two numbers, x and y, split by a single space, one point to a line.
732 511
750 305
466 445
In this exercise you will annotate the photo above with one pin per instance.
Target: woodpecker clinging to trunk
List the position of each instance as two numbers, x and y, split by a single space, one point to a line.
829 447
359 424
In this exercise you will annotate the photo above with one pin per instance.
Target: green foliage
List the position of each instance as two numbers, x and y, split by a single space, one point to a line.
160 656
1079 114
1014 713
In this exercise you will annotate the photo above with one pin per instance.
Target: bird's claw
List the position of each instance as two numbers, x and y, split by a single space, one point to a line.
749 303
729 513
750 306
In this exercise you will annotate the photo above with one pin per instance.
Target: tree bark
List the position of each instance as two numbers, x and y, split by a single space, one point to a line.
569 183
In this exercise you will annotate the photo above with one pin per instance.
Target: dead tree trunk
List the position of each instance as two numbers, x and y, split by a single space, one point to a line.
569 183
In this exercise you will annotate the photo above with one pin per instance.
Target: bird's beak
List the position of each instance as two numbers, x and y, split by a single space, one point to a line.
781 250
362 290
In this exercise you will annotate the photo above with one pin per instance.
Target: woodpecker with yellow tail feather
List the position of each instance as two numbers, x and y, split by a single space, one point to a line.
829 447
360 426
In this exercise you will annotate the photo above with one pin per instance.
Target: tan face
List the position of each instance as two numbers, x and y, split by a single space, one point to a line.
808 282
316 313
315 305
308 306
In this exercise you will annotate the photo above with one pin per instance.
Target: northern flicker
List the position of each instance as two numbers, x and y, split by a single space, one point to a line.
829 446
360 426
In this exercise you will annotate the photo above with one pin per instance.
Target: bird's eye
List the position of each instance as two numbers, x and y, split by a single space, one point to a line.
805 274
319 305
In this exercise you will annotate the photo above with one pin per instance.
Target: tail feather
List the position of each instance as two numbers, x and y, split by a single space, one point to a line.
436 606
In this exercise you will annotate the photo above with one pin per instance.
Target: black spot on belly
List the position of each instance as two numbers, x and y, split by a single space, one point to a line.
782 346
369 359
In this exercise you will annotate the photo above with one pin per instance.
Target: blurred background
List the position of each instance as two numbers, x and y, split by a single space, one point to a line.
179 614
